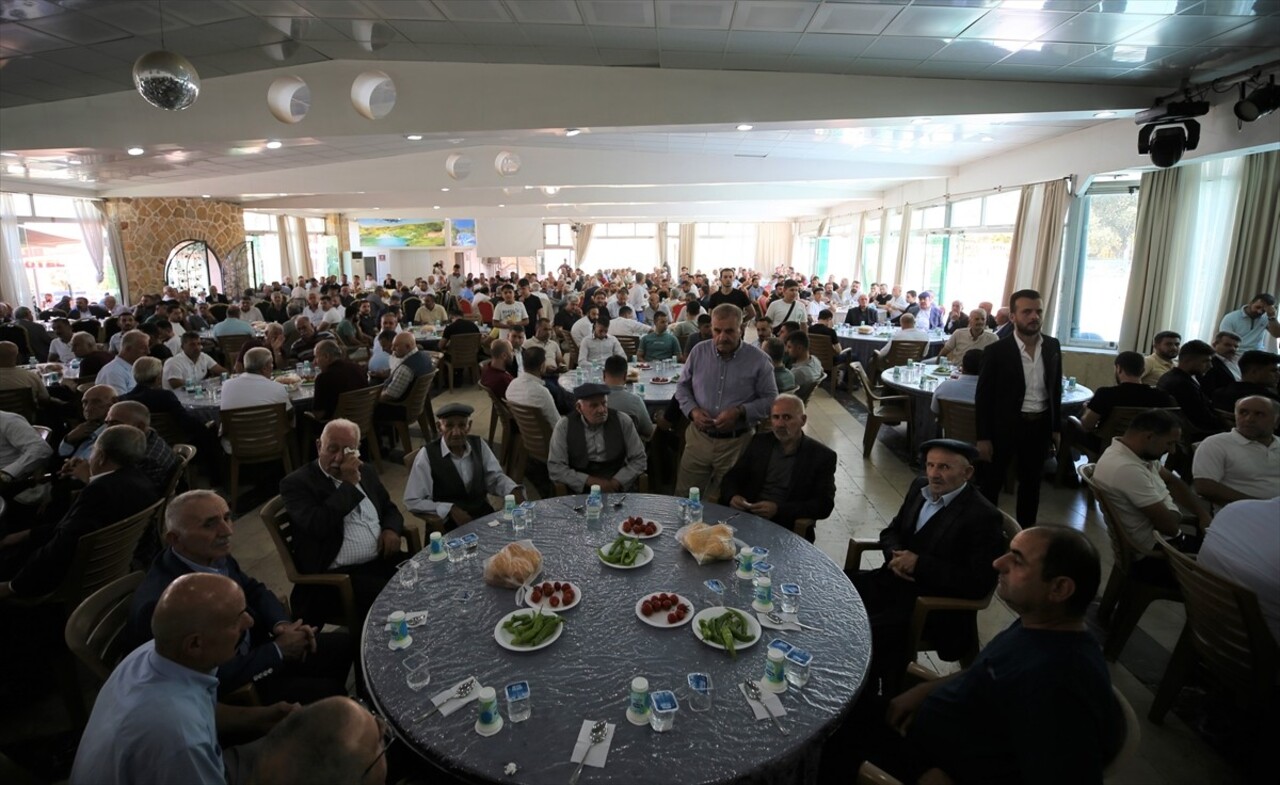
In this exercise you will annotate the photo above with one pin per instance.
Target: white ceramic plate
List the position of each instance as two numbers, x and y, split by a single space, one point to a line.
577 598
642 536
504 638
659 618
707 614
661 380
644 558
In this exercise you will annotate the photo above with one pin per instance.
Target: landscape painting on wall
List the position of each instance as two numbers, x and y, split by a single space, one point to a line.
464 232
401 233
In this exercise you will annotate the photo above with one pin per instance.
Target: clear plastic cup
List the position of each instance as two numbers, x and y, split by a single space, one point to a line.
471 542
408 574
789 594
662 714
456 550
518 707
519 519
418 676
699 691
796 667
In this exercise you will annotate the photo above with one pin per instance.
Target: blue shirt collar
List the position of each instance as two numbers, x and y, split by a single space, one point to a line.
218 568
179 672
946 499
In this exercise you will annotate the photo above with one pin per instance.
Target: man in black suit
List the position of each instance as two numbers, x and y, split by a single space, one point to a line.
860 314
789 476
1019 403
343 521
285 660
1224 368
1259 375
337 376
1183 383
34 561
941 543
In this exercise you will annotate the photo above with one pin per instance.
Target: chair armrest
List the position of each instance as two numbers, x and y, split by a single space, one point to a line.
871 774
414 538
926 605
346 595
430 521
802 526
893 398
853 556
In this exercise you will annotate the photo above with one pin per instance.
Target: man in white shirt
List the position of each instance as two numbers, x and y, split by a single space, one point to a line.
816 305
190 363
789 308
454 477
234 324
582 329
619 301
118 374
1243 463
249 312
126 322
976 336
529 389
254 387
601 344
908 332
60 347
543 340
626 324
1242 546
430 312
509 315
23 450
312 310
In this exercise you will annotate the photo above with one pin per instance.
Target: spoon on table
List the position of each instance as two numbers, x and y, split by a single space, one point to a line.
754 692
598 732
464 689
618 504
776 619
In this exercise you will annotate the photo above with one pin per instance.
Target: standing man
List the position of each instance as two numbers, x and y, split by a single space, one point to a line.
727 293
1253 322
789 308
1019 404
727 387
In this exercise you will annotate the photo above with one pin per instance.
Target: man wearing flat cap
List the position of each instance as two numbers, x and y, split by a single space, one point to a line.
941 543
594 445
453 478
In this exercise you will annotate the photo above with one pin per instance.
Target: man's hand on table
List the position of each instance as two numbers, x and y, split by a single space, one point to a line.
764 509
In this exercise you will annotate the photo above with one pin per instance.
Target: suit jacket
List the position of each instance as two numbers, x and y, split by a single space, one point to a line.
1001 388
104 501
1219 376
813 479
340 377
1191 398
1004 330
959 323
252 661
317 509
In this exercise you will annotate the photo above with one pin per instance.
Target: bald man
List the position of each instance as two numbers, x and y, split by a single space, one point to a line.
335 741
159 461
119 372
155 719
409 365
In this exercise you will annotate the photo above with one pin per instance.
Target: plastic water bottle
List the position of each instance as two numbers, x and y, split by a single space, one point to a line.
75 367
595 505
695 506
508 506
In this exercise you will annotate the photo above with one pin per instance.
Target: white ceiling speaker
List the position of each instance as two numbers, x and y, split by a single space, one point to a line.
167 80
506 163
372 36
289 99
458 166
373 94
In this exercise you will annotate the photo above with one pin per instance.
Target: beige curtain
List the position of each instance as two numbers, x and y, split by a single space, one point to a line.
582 242
1023 232
662 245
115 247
1035 256
904 239
1148 303
1253 264
688 235
774 243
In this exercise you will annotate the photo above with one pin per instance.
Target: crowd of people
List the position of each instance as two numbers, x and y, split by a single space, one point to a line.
736 432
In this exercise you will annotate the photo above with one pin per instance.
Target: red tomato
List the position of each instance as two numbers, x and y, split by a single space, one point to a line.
683 608
558 585
536 596
646 609
547 588
626 527
555 602
672 618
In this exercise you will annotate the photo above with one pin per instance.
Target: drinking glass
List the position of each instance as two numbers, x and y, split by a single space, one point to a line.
518 707
662 715
699 691
419 676
409 574
456 550
519 519
790 598
796 667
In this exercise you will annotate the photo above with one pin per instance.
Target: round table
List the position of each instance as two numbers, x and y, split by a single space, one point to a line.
864 345
206 406
925 422
656 396
584 675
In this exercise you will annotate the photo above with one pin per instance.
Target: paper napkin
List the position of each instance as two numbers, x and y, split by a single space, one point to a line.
600 752
448 706
770 699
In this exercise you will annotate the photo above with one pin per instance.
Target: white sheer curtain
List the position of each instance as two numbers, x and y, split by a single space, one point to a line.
92 231
582 242
1206 210
1035 256
774 244
13 277
295 252
115 247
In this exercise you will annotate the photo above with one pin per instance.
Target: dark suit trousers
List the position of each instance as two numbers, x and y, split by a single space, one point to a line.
1026 448
890 601
322 674
314 604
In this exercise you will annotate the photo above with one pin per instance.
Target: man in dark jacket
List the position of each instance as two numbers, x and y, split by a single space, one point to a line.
337 376
1182 381
284 659
941 543
784 476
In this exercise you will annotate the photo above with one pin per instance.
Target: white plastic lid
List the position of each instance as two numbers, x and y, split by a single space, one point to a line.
510 497
435 535
746 549
764 580
595 488
488 694
775 654
639 684
695 494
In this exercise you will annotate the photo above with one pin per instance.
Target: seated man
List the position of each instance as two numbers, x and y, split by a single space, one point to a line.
343 522
600 345
94 405
454 477
530 389
1242 546
331 740
1224 367
380 356
234 324
1182 383
190 363
249 312
1259 375
543 338
784 475
118 374
941 543
777 353
159 461
806 368
623 400
860 314
965 388
126 322
272 339
974 335
702 333
1243 463
908 332
154 720
34 561
1128 391
92 359
686 324
625 324
495 375
1164 350
660 344
282 658
1037 704
303 348
23 453
14 378
337 376
255 386
595 446
1146 496
413 364
430 312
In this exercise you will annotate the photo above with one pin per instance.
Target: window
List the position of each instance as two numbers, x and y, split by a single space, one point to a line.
54 256
724 245
261 235
926 249
192 266
889 240
615 245
977 249
1102 227
557 236
871 251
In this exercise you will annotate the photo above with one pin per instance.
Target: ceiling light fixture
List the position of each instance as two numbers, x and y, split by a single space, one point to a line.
572 131
745 126
9 155
435 207
1104 114
135 151
502 205
274 144
413 137
1260 103
204 196
165 79
75 161
444 189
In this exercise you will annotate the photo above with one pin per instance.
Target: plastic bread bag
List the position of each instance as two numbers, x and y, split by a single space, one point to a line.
707 542
512 566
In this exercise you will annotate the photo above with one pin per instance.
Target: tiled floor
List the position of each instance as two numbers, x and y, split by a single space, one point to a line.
868 495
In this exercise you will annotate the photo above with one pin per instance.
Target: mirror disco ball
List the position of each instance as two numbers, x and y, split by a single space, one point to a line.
166 80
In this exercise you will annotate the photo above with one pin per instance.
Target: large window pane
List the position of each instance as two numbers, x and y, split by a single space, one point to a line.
977 263
1103 279
1002 209
56 263
966 213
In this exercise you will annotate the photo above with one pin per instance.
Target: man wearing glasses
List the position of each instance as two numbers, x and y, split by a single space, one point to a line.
332 740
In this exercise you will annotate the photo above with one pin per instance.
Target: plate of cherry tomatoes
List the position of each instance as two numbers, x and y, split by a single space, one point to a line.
664 610
638 527
553 595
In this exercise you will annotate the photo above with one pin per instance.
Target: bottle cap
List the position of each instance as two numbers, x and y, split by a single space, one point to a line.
775 654
639 684
595 488
435 535
488 694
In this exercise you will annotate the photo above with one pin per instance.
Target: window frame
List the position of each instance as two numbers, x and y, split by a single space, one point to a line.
1075 248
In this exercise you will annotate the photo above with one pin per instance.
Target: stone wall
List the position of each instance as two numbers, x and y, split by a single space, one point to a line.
150 228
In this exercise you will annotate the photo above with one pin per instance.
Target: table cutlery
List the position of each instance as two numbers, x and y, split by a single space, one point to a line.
754 692
776 619
598 732
464 689
746 685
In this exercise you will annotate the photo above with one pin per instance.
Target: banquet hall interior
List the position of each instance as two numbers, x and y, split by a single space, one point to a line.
1121 157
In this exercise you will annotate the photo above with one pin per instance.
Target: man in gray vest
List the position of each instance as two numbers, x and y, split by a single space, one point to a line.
453 478
595 446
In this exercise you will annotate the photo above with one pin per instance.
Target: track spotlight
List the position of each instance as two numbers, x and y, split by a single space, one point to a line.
1261 102
1167 142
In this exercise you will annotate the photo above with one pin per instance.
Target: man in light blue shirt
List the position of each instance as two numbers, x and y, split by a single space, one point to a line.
963 389
380 357
118 374
1253 322
233 324
155 719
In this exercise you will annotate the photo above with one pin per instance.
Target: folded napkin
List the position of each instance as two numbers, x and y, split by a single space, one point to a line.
770 699
408 616
448 704
600 752
787 618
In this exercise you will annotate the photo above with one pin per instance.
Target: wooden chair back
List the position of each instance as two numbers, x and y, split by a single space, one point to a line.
258 433
902 351
20 402
102 556
185 453
535 433
464 354
110 326
95 631
409 308
416 402
231 346
630 345
358 407
91 326
276 520
500 414
959 420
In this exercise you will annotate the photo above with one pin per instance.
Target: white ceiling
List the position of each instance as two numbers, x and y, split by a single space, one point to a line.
659 131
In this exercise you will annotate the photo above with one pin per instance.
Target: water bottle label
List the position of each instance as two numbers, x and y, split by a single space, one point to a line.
774 672
639 702
764 595
488 712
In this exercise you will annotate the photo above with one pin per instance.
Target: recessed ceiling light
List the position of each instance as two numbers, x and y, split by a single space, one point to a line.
444 189
435 207
274 144
74 161
413 137
377 208
745 127
9 155
204 196
572 131
987 138
921 120
1105 113
502 205
135 151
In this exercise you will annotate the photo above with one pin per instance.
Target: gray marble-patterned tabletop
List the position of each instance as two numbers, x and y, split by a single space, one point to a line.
655 395
585 674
